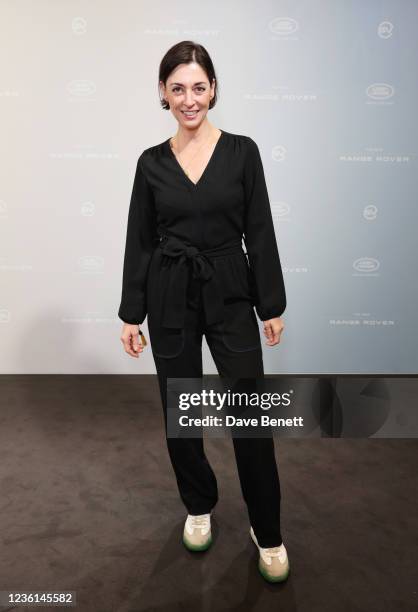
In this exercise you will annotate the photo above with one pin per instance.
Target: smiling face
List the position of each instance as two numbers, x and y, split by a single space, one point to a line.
188 93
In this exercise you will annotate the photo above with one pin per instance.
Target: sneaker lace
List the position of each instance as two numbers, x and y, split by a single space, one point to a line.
199 521
273 552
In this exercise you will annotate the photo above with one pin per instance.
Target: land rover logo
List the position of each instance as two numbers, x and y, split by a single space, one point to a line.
283 26
4 315
280 209
366 264
81 87
91 263
380 91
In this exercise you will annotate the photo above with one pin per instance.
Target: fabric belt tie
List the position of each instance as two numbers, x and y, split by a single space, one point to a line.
188 257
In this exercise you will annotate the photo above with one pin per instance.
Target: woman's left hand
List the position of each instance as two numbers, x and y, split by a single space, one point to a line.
272 330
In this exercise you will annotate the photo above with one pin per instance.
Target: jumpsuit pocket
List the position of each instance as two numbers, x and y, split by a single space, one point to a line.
165 342
240 330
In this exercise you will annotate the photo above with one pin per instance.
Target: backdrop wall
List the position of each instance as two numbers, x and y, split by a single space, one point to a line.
327 90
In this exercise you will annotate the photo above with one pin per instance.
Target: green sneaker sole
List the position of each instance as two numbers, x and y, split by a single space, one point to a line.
197 548
273 578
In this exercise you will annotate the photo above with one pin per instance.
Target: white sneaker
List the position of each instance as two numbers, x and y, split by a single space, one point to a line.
197 533
273 562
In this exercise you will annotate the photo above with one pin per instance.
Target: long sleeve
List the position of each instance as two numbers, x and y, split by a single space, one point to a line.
141 236
260 240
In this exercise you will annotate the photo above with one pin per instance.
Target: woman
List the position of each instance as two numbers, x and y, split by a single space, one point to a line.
194 198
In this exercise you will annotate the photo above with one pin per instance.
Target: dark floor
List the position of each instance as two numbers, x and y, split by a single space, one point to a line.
89 503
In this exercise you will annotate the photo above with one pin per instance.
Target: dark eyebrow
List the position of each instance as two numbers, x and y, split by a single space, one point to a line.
199 83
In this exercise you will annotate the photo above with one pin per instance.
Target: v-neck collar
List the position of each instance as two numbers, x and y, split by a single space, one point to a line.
202 176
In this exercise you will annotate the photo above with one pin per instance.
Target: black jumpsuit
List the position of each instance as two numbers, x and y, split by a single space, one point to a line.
185 268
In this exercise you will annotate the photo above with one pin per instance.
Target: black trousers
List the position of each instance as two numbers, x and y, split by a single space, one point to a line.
255 458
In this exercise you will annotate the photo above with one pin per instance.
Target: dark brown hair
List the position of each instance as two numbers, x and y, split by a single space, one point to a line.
186 52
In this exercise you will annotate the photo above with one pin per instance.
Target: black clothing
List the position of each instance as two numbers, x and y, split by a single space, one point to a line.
185 267
229 201
255 457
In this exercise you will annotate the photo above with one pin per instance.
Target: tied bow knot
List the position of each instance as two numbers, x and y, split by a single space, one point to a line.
174 286
191 251
202 267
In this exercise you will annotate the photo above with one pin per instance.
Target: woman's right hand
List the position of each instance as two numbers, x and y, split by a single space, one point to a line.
130 340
